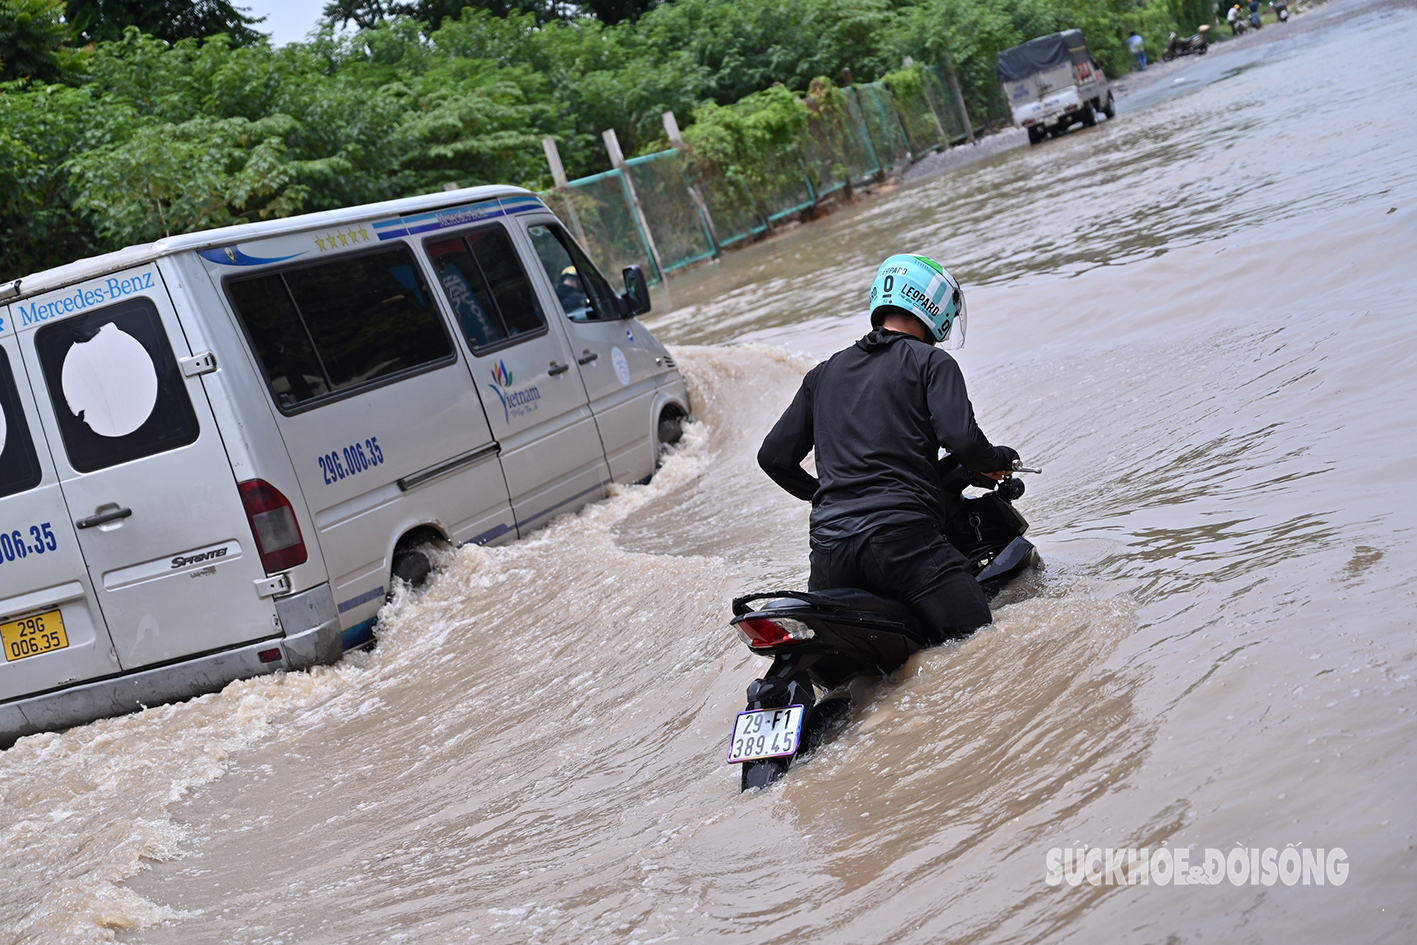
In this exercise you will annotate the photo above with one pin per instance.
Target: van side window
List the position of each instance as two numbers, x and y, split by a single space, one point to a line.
487 287
115 385
582 290
19 467
334 326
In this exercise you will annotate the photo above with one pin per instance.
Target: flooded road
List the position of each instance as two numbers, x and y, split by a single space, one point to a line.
1199 319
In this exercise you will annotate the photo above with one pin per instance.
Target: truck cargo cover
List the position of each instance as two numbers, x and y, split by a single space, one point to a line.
1041 53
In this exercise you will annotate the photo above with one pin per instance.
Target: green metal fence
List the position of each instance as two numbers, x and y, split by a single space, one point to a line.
681 234
694 210
599 211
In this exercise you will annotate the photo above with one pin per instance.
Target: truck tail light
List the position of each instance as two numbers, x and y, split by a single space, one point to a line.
277 533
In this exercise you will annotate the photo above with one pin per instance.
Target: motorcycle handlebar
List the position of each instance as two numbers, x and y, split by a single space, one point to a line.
1021 468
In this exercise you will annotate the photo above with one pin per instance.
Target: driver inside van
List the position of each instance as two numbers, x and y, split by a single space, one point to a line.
570 291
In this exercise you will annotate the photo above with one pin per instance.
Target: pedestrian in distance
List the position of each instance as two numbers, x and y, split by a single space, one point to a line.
1138 47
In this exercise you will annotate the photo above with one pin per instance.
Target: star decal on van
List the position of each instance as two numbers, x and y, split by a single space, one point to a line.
338 238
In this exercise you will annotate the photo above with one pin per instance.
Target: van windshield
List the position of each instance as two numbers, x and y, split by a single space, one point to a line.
581 289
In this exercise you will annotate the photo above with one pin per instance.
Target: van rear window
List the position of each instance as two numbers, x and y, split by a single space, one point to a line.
19 467
340 325
117 391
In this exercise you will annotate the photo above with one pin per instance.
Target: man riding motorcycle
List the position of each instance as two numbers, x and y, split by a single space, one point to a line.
877 414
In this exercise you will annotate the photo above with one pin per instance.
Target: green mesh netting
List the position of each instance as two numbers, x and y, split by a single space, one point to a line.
945 104
911 94
598 210
883 124
824 156
786 189
662 185
861 159
735 215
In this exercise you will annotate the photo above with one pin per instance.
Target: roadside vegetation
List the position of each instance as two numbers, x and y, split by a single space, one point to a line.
120 122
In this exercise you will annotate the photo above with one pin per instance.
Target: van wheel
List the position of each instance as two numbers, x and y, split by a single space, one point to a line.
412 567
1089 117
669 432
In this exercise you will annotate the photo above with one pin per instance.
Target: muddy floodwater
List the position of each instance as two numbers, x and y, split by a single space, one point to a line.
1200 319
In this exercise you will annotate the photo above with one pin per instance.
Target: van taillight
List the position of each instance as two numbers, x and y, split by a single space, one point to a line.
273 523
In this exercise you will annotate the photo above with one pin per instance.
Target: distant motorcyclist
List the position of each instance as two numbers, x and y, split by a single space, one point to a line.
1255 14
1233 18
877 414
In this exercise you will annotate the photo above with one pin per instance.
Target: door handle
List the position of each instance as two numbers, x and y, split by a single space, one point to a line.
112 515
588 357
558 369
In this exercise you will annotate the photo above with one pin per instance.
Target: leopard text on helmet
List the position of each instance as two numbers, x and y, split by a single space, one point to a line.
921 287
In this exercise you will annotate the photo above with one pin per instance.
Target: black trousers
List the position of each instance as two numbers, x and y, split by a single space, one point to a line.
909 563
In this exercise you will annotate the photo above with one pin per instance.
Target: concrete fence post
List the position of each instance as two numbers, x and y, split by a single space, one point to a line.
558 176
617 159
676 138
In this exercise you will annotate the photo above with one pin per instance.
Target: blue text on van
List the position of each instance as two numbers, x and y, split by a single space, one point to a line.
109 290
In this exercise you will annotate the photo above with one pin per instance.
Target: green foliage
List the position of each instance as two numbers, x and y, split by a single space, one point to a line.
32 38
752 144
162 127
96 20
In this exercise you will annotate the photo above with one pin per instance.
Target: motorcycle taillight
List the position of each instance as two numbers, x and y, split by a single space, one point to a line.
772 631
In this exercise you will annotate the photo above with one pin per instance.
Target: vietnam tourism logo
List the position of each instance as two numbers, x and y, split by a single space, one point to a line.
515 403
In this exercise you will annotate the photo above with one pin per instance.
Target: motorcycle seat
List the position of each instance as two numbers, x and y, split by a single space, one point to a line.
853 598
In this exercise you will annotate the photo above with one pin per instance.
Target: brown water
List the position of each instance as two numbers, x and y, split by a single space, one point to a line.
1199 319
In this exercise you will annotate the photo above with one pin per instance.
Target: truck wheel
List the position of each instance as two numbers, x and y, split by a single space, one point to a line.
1111 110
1034 136
1089 117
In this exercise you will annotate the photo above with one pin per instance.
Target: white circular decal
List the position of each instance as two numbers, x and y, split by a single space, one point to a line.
110 382
622 367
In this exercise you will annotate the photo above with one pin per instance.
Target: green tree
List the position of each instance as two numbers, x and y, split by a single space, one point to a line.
32 38
97 20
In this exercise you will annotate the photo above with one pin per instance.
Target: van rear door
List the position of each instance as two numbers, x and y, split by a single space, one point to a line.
143 470
50 624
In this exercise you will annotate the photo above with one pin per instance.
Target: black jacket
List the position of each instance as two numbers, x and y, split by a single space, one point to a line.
877 414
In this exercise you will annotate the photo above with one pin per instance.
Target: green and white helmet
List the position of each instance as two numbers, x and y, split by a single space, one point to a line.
923 288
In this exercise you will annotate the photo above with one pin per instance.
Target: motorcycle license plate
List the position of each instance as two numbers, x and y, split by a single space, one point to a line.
765 733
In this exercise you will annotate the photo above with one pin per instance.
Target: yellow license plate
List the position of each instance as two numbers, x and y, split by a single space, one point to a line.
33 635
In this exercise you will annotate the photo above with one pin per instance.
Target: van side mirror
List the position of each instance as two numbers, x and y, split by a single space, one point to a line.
635 301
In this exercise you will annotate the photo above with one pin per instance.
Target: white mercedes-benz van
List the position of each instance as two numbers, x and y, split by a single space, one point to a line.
218 450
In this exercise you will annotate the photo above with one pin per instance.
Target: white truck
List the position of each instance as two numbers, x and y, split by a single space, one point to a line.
1052 82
